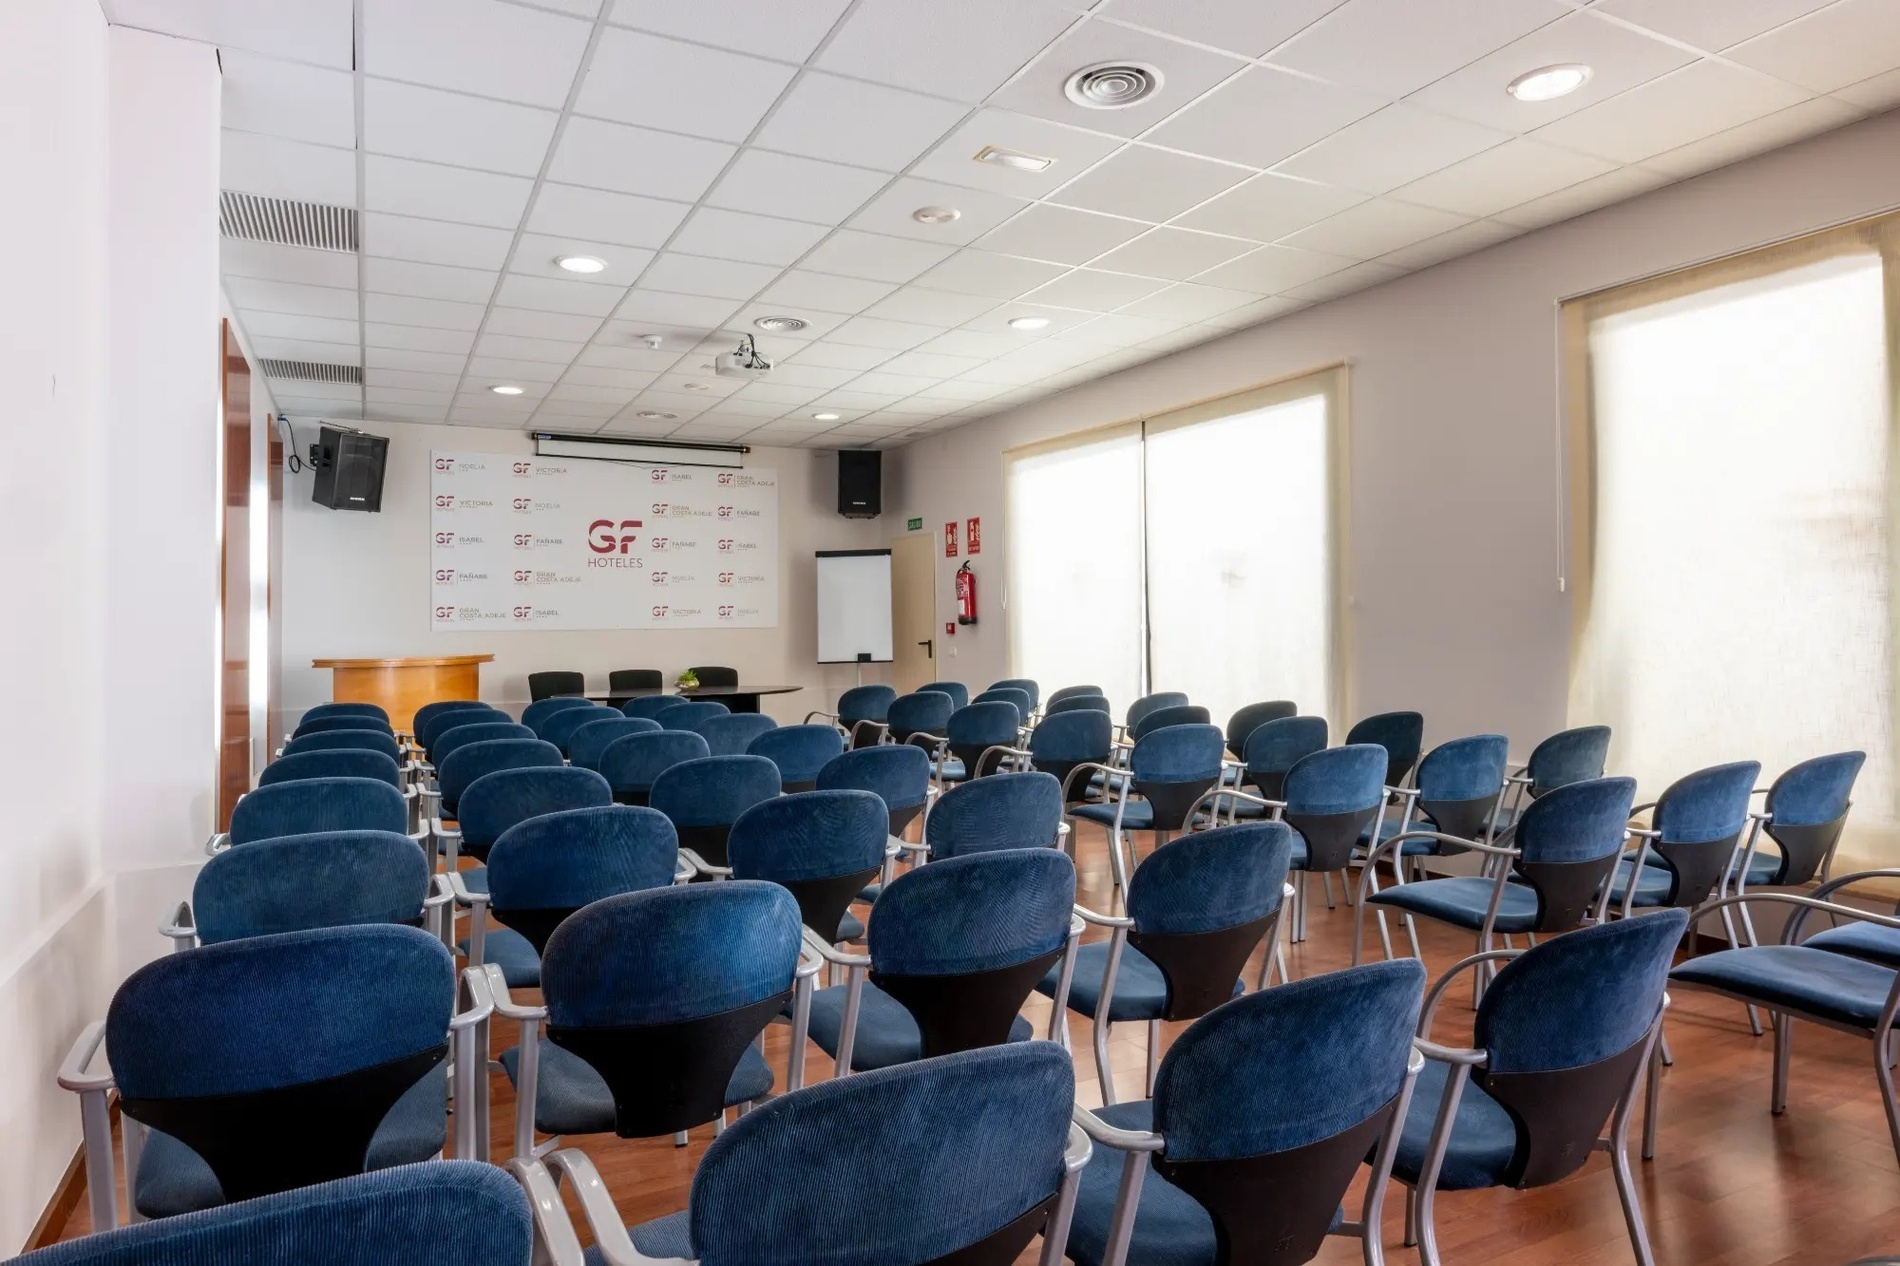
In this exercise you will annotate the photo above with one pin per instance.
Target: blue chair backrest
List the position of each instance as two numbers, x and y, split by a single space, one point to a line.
1008 694
1152 702
458 771
1568 756
1401 734
688 715
448 722
1162 718
1252 716
823 846
1570 839
898 774
445 716
494 802
966 1144
535 715
731 733
982 725
1337 780
1274 747
560 727
799 751
976 913
391 1215
451 739
630 764
958 692
1459 782
865 703
318 804
321 880
544 868
199 1041
713 790
649 706
1807 811
1081 735
429 711
1078 703
590 740
373 710
338 740
346 762
318 725
925 712
1025 684
1178 753
998 812
1699 819
1071 692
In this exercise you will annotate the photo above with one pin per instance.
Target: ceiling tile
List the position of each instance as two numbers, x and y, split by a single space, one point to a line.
664 83
797 188
1398 46
929 364
436 313
419 362
271 262
565 326
622 218
1187 73
1346 281
1474 236
1175 254
894 384
443 193
1246 27
842 355
279 98
875 257
1882 92
450 127
519 347
616 396
1619 59
757 239
953 159
544 294
894 336
817 325
822 292
1784 127
1273 269
931 307
593 376
1375 228
480 46
417 338
602 356
797 374
973 344
963 50
1093 291
428 281
654 307
1189 301
1514 172
958 389
1269 207
699 275
1061 234
342 330
974 272
851 400
291 298
1122 330
1588 195
978 211
503 369
317 31
637 160
1710 24
375 379
1262 116
847 121
775 392
433 242
1385 150
1832 48
1697 101
276 168
1149 184
439 398
786 31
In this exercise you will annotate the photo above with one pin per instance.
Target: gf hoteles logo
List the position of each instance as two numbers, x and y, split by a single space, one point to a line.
608 536
445 463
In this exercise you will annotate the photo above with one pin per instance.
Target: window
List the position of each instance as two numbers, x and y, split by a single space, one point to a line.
1737 599
1195 551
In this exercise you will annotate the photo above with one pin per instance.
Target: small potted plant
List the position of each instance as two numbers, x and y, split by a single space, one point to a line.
688 680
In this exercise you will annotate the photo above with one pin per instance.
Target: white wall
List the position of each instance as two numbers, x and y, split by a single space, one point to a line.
1454 563
358 585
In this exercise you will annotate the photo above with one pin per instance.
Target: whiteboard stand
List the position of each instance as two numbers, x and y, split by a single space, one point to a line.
854 608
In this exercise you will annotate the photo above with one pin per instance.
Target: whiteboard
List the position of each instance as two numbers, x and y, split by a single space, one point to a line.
854 606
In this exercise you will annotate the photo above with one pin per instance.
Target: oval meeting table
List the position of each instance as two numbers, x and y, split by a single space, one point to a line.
740 698
400 686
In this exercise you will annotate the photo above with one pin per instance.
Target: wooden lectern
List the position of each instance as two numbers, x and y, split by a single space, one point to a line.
403 685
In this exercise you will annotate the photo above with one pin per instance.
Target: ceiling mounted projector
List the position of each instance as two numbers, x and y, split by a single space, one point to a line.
743 363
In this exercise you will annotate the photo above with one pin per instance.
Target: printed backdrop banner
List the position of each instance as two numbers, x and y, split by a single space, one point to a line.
545 543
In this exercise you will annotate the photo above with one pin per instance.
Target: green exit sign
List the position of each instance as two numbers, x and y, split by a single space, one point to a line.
915 525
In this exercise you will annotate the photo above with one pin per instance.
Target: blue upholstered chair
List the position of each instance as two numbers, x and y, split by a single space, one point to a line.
1693 839
861 713
1076 703
1457 792
1401 734
1065 741
544 868
559 727
898 774
731 733
1002 811
1273 748
345 762
373 710
1024 701
821 846
445 1213
1196 909
554 683
1073 692
588 743
535 715
274 1062
1552 874
1803 817
1845 978
459 770
649 706
315 804
653 1001
632 762
958 692
1171 771
497 801
703 797
1025 684
467 714
1574 755
344 740
428 712
1263 1112
955 948
296 882
959 1160
799 751
1559 1047
1161 718
919 718
688 714
318 725
977 740
454 738
1150 703
1252 716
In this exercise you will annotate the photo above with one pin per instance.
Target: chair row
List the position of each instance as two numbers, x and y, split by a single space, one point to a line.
548 685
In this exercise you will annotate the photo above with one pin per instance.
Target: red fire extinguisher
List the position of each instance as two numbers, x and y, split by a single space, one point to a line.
966 595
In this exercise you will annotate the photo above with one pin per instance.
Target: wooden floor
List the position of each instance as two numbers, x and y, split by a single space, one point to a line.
1730 1185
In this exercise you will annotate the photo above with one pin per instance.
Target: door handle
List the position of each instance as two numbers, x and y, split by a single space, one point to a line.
930 647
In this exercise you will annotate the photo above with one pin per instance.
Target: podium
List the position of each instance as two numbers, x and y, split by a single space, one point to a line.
400 686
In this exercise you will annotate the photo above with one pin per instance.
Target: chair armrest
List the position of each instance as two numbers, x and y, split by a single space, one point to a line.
683 871
182 930
1791 933
442 891
1457 969
1448 1054
1079 1151
1859 876
1103 920
217 843
829 716
478 1000
557 1244
503 1001
610 1230
459 889
831 955
703 867
444 832
1100 1131
1409 793
72 1070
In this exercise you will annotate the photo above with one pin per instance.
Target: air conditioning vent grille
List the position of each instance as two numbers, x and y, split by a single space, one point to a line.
313 225
312 371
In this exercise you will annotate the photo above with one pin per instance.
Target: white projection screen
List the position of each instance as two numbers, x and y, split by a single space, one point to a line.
854 606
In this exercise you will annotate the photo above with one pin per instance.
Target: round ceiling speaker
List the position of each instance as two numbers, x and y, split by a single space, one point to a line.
1112 85
780 324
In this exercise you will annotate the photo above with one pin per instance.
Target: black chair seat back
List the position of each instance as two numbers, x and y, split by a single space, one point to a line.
1559 1113
1200 967
967 1010
1466 819
1330 837
1172 801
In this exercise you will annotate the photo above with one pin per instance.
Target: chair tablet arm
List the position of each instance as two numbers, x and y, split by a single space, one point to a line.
444 832
610 1230
557 1245
504 1001
72 1071
830 955
1103 920
1107 1135
1428 1049
1457 969
701 866
217 843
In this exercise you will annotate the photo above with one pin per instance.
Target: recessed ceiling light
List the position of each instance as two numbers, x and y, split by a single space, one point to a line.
696 386
581 263
1112 85
506 391
1016 160
655 415
935 215
825 417
781 324
1028 323
1549 82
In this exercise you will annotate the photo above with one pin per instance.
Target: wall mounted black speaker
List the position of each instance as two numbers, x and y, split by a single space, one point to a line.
349 469
860 483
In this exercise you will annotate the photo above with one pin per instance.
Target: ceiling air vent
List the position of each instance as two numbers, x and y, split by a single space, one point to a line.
1112 85
309 224
311 371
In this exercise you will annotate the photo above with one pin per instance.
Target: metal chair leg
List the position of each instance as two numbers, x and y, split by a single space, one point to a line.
1784 1054
1103 1076
1625 1182
1652 1102
1154 1054
1883 1074
1411 1217
1327 880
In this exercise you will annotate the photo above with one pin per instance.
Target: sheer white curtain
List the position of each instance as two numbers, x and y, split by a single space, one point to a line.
1739 603
1074 601
1240 559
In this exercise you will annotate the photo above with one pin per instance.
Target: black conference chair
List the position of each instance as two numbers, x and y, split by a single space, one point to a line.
546 685
715 675
623 682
